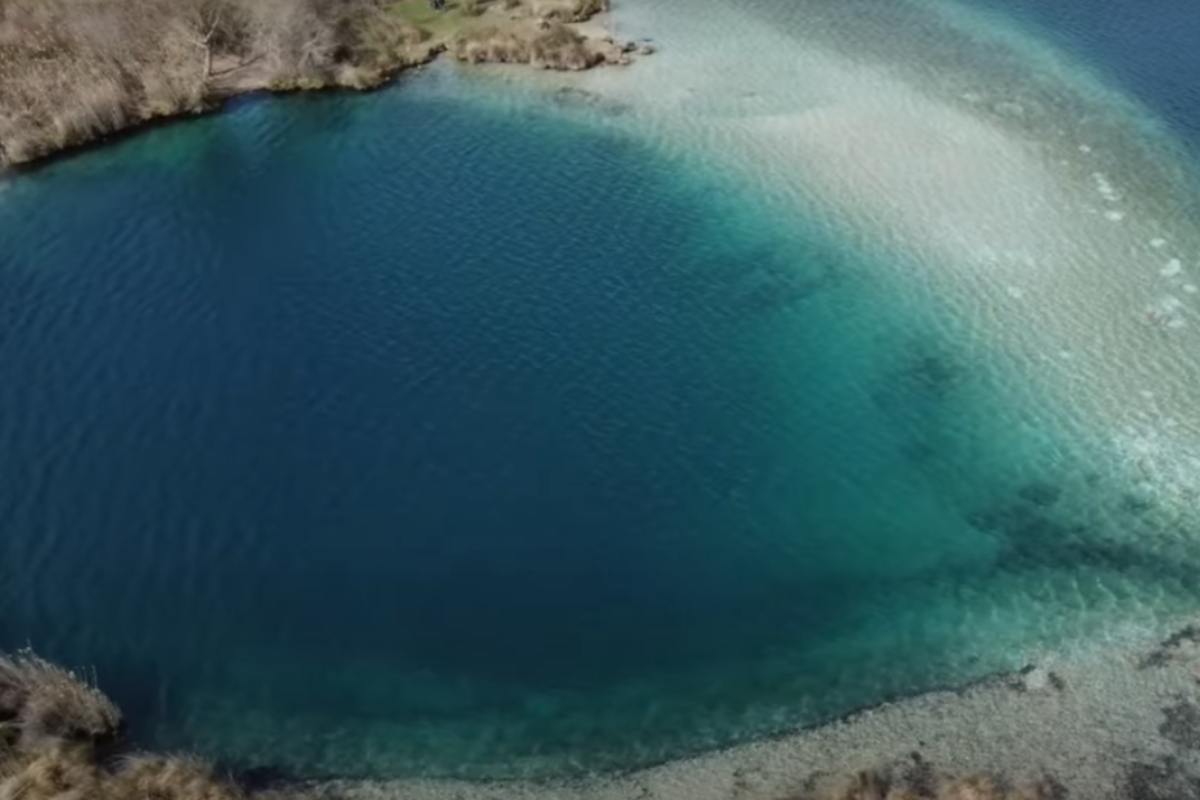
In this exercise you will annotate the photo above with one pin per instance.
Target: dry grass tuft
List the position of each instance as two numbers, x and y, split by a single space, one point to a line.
58 772
40 701
62 772
50 723
169 778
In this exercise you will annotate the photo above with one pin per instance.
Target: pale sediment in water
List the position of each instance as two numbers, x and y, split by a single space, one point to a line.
1050 216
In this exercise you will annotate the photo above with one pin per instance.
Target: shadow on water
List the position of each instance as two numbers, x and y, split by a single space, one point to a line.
575 99
926 376
761 280
772 283
918 394
1046 526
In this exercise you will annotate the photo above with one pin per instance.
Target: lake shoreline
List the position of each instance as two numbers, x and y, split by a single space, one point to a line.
1115 720
62 92
1106 722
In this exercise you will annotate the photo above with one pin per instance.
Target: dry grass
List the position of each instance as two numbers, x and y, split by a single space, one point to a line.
58 772
555 47
169 778
71 70
40 701
63 772
51 721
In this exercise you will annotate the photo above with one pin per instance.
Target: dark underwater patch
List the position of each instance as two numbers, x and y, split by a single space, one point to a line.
1038 530
925 379
1166 780
772 282
1182 725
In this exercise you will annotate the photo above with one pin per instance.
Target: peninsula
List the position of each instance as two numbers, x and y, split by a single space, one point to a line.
74 71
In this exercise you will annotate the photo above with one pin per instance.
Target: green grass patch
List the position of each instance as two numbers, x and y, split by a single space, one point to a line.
439 23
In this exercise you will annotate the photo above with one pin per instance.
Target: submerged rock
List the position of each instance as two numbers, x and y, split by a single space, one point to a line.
1182 725
1040 493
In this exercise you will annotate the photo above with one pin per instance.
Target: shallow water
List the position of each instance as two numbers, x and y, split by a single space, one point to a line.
449 430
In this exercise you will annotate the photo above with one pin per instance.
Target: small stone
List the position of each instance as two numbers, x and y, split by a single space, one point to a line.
1037 680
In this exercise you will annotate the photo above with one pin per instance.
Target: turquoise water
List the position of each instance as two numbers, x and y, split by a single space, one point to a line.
466 429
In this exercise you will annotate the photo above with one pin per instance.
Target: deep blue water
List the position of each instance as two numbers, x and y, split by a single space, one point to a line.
1150 48
419 433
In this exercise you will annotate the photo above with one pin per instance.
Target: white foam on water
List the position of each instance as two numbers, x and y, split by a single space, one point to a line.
1105 187
1173 268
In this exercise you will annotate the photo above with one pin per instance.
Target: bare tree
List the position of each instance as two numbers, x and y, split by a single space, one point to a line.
206 42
